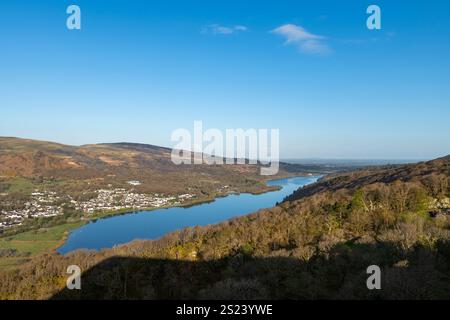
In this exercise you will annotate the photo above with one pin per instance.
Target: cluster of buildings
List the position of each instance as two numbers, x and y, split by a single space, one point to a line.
49 204
41 204
118 199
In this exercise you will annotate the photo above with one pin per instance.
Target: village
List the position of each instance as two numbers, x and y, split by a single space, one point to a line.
50 204
118 199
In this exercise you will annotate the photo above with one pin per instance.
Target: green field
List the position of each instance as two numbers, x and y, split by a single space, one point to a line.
20 185
34 242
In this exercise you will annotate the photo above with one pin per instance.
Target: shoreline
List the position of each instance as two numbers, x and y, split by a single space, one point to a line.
188 205
82 221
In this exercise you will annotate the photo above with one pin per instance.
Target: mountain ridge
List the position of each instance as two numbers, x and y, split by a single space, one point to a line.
29 157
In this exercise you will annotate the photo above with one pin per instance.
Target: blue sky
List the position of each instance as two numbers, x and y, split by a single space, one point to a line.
137 70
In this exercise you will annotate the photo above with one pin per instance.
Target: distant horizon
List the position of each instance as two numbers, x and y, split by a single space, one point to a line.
318 160
356 161
139 70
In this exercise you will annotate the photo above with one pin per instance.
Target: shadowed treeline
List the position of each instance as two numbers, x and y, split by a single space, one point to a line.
339 275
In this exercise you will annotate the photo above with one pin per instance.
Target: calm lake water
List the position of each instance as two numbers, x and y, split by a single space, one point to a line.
108 232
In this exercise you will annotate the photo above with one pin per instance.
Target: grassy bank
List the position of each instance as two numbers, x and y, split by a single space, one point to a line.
34 242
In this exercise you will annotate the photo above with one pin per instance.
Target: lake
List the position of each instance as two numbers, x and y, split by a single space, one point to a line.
108 232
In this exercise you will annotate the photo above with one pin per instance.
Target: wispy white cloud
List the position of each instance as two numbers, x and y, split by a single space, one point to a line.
307 42
240 28
218 29
386 36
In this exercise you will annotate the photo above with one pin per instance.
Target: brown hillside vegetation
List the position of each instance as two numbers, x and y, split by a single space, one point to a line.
432 173
317 245
115 163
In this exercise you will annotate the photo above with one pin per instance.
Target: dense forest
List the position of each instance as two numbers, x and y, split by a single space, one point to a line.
315 245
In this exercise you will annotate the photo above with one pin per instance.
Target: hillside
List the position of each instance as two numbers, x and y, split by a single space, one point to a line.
430 172
316 245
116 163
